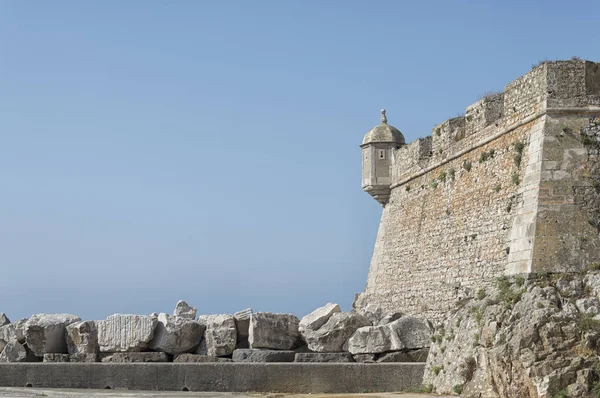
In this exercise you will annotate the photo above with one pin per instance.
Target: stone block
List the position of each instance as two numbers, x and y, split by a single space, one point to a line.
365 358
56 358
82 338
413 332
197 358
20 329
127 357
375 340
81 357
318 317
256 355
4 319
13 352
398 356
8 333
45 333
334 334
176 335
220 336
242 324
405 356
274 331
323 357
125 333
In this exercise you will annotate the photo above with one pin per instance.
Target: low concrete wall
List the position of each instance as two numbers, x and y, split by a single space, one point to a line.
223 377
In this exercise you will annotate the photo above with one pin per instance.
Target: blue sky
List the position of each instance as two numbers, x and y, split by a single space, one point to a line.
208 150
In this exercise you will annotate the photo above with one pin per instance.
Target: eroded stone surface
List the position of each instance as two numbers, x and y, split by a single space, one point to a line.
525 339
134 357
20 329
334 334
176 335
274 331
412 332
8 333
199 358
13 352
375 340
80 357
256 355
45 333
323 357
184 310
220 336
405 356
82 338
125 333
318 317
56 358
365 358
4 319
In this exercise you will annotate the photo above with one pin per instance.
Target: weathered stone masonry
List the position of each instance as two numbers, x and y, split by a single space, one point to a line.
510 188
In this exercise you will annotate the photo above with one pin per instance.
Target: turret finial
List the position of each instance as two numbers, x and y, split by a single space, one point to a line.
383 118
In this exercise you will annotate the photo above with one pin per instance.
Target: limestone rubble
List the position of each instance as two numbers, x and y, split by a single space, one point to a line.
324 335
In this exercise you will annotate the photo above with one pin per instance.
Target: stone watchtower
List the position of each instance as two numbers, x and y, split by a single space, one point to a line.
377 154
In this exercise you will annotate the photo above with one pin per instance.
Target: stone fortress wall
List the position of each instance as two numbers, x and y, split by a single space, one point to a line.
509 188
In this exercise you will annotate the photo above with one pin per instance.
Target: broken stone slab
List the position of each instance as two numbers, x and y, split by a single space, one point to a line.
323 357
184 310
374 340
318 317
242 324
82 338
13 352
197 358
365 358
274 331
257 355
81 357
56 357
334 334
176 335
4 319
127 357
45 333
125 333
413 332
220 335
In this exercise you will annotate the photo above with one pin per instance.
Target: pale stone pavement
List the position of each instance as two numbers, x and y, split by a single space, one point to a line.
7 392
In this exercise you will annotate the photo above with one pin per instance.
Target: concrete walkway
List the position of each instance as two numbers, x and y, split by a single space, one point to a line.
9 392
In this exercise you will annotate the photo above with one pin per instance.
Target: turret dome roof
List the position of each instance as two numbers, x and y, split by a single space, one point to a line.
384 133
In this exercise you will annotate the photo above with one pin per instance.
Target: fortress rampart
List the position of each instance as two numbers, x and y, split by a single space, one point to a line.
509 188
